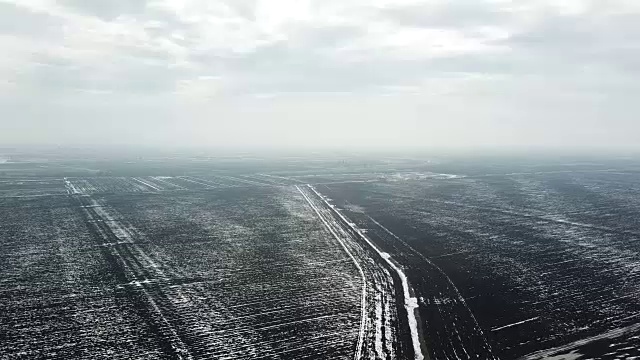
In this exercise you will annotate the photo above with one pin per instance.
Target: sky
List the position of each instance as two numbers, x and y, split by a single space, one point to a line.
322 73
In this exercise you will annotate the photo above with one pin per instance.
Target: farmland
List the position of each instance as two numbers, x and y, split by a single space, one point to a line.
319 258
530 265
115 270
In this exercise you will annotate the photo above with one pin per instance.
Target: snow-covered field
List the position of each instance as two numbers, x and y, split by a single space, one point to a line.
319 260
241 274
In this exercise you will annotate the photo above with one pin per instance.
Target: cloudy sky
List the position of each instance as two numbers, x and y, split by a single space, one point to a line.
363 73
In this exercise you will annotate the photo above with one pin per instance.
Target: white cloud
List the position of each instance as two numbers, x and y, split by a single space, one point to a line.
500 58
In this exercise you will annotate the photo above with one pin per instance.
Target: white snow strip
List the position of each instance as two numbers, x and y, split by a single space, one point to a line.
363 303
30 196
176 343
378 332
516 324
162 179
388 327
71 189
450 254
148 184
115 243
443 273
545 354
411 303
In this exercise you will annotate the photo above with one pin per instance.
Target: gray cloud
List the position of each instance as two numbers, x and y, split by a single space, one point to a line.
21 21
107 10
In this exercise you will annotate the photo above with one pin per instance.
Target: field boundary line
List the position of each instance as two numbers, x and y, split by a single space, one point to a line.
363 305
411 303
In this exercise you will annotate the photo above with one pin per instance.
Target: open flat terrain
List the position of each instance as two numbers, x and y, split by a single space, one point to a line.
319 258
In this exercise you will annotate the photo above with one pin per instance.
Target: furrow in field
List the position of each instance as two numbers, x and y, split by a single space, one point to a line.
224 310
383 333
133 270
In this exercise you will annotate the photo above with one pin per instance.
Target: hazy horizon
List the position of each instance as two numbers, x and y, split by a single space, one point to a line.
352 74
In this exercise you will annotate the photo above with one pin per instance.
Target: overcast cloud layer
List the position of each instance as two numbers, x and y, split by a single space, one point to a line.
423 73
